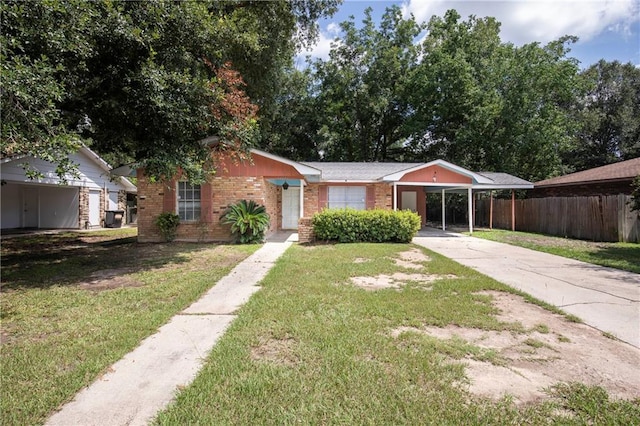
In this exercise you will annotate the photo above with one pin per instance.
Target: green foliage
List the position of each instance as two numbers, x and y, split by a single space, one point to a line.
249 221
635 195
462 95
608 114
350 226
57 337
142 79
168 223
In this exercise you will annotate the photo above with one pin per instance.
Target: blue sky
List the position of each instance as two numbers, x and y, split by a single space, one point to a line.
607 29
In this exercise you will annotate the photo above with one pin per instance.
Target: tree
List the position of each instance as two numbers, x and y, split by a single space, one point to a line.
362 88
609 126
488 105
141 80
293 127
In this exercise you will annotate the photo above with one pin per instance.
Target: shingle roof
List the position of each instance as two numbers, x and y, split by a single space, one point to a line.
617 171
504 178
370 172
358 171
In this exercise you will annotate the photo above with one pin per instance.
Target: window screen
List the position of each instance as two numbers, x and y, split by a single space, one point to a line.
188 201
341 197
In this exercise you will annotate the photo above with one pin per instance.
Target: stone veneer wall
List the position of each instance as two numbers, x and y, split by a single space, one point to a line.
83 207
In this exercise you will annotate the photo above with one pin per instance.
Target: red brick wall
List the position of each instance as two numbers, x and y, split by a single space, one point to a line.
383 196
225 191
305 230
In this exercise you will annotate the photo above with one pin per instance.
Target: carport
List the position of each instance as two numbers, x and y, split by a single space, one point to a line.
442 177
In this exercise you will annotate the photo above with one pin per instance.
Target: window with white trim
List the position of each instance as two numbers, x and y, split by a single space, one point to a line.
353 197
188 201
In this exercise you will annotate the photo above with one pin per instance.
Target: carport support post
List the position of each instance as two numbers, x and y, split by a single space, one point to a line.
513 210
443 212
395 196
490 209
470 203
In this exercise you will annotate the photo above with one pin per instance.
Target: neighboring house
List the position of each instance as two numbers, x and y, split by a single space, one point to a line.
612 179
293 191
46 203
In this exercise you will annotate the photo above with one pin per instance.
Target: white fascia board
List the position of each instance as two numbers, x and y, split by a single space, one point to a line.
435 185
126 183
394 177
96 158
300 168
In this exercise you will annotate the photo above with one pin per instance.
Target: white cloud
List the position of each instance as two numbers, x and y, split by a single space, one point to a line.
525 21
323 46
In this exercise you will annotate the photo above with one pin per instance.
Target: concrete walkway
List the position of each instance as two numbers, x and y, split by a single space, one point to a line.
142 383
605 298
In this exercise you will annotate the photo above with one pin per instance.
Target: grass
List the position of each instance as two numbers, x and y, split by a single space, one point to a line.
624 256
312 348
74 303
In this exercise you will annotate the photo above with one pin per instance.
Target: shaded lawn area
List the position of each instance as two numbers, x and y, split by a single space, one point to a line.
625 256
313 348
74 303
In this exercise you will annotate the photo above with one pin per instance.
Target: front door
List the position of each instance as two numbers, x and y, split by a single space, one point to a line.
409 201
290 208
30 208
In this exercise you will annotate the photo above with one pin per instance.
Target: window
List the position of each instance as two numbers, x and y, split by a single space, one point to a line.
188 201
353 197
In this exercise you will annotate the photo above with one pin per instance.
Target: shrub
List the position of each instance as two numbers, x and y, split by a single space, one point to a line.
349 226
249 221
168 224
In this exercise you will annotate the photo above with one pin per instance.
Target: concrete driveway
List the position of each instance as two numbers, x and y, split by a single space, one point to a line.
605 298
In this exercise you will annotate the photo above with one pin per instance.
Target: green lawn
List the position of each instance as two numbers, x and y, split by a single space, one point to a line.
625 256
74 303
312 348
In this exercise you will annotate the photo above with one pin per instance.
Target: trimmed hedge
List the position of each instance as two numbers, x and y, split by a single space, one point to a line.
350 226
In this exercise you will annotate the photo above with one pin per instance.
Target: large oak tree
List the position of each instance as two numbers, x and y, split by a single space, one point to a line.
142 80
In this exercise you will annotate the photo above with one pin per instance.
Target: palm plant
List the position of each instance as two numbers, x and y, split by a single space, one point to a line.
249 221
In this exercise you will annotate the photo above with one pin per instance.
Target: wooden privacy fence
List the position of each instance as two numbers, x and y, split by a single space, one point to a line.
596 218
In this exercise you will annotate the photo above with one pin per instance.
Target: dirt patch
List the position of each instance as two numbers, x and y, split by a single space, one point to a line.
397 280
411 259
276 351
551 350
361 260
108 279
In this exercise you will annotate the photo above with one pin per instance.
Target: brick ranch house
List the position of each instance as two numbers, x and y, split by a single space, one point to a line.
293 192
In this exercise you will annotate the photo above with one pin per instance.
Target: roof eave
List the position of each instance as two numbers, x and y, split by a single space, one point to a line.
587 182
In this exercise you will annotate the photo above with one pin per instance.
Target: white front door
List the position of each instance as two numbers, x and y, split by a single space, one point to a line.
409 201
30 208
94 208
290 208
